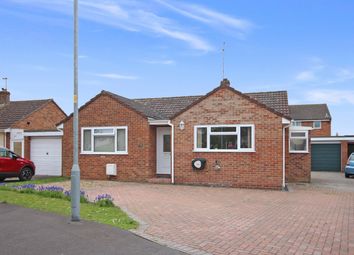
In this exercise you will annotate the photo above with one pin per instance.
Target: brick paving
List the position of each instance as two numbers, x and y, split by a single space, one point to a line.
310 219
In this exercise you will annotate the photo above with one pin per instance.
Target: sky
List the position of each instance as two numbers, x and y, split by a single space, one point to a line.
156 48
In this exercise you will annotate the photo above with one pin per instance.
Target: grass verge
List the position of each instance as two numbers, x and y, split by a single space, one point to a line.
39 181
113 216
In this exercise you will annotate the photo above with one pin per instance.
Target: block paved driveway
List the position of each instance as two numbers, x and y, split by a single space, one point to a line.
310 219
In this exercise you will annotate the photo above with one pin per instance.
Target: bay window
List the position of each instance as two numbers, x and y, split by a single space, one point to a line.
298 142
224 138
104 140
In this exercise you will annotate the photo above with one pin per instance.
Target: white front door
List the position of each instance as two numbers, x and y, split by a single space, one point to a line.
163 150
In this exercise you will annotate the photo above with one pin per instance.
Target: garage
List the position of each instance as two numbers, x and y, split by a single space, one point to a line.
326 157
46 155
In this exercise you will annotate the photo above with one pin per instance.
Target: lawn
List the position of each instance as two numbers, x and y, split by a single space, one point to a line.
89 211
38 181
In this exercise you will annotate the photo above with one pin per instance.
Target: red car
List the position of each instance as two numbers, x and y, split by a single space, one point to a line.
12 165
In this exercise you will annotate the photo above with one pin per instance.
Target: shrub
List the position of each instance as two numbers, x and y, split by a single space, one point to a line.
83 196
104 200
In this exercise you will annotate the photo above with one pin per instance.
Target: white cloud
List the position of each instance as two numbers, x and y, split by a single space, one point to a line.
132 16
115 76
160 62
306 76
209 16
342 75
331 96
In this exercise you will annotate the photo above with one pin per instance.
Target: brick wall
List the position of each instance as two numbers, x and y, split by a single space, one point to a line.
45 118
298 165
324 131
260 169
138 165
345 155
27 148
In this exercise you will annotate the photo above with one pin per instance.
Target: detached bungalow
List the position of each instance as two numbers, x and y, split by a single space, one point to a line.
29 129
224 138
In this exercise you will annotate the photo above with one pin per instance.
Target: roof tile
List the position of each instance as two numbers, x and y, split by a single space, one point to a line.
17 110
310 112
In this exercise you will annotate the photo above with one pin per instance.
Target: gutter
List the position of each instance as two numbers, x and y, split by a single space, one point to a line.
172 152
284 188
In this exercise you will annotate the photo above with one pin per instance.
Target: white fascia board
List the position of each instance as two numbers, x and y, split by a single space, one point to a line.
332 139
300 128
285 121
60 126
44 133
153 122
311 120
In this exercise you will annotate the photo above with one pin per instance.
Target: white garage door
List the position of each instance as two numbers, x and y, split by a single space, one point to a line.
46 155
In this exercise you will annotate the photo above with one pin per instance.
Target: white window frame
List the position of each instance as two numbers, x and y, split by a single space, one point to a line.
237 132
297 123
313 124
115 140
305 137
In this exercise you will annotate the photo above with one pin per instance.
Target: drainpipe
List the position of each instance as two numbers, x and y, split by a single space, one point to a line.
284 159
172 152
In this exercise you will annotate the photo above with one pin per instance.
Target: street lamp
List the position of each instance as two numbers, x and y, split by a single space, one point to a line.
75 170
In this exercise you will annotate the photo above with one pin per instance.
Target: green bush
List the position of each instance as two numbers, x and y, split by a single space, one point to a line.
105 203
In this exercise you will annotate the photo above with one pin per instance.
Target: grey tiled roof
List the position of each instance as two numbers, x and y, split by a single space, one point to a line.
277 100
310 112
17 110
169 106
137 106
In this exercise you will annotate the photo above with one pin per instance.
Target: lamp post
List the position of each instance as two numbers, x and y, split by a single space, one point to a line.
75 170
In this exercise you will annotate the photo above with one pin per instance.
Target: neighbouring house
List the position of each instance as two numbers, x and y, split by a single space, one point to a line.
224 138
316 116
329 153
29 129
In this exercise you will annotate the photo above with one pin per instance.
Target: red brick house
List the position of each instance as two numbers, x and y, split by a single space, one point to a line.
29 129
316 116
224 138
329 153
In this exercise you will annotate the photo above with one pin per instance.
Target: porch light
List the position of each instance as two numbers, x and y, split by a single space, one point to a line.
181 125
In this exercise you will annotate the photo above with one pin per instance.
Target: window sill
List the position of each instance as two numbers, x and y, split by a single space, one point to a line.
233 151
104 153
299 152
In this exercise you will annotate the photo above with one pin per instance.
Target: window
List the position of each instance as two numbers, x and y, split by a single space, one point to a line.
296 123
104 140
351 158
224 138
317 124
167 143
4 153
299 142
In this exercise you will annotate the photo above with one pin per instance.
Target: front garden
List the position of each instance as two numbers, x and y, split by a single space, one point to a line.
55 199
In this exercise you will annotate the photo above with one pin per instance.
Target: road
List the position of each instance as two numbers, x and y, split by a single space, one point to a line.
26 231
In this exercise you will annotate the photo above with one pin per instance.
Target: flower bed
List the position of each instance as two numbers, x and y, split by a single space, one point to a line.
52 191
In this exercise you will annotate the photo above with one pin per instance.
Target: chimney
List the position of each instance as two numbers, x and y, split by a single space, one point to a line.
4 97
225 82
